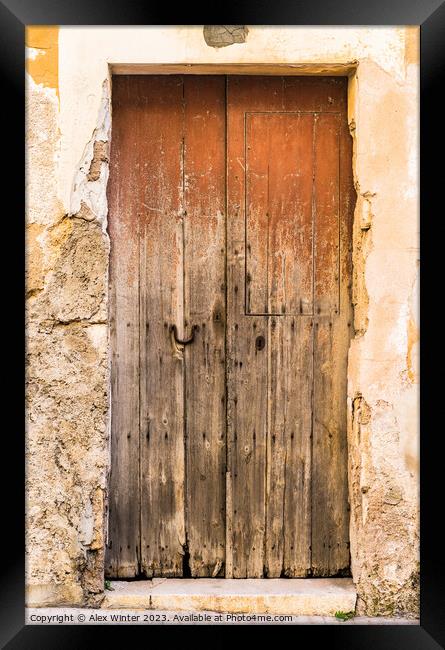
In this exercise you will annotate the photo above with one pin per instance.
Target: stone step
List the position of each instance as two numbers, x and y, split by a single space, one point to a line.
299 597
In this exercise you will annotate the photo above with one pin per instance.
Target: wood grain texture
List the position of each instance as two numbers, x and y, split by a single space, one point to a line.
288 507
124 504
279 212
247 368
162 464
333 209
204 276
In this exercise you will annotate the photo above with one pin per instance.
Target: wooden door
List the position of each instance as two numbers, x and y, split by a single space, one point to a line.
230 203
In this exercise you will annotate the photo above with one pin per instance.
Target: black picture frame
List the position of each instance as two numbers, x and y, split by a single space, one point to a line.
430 15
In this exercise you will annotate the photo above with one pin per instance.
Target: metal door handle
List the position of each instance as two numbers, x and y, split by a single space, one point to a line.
185 341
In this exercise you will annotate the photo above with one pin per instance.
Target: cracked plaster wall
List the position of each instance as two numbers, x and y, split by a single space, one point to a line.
67 442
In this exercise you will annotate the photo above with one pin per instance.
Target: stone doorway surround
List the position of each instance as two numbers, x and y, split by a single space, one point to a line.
69 126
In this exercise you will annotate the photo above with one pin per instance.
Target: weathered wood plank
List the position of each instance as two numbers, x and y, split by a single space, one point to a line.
326 213
296 379
330 512
123 534
246 352
290 349
204 226
162 367
288 508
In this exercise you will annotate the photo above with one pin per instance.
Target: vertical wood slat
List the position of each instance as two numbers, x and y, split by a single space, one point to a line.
279 202
288 508
123 536
290 347
247 376
333 210
162 463
204 222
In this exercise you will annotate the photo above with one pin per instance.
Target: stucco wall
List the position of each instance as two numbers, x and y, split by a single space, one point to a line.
68 133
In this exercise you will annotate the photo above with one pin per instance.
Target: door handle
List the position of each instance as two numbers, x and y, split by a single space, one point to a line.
191 338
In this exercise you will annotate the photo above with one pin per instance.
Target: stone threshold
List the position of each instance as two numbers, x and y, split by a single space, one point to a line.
297 597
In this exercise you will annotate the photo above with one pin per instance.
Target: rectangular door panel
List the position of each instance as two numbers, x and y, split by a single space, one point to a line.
279 213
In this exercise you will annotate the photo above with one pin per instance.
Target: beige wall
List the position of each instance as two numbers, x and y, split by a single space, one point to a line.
67 243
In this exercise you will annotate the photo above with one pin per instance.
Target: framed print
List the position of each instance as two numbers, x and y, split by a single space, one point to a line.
222 323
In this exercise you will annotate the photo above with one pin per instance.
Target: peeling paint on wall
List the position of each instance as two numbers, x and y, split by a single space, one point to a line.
67 365
42 54
88 197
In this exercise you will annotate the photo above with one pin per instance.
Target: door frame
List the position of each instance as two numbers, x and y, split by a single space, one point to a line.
348 70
